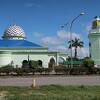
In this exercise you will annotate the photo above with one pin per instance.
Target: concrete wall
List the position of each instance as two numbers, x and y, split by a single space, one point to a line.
5 58
18 58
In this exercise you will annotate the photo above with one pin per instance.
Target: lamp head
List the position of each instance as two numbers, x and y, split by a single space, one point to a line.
82 13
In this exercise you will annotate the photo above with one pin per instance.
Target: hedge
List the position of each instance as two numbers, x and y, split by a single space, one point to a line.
64 70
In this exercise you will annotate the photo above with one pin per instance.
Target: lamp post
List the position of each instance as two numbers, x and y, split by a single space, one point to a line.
71 35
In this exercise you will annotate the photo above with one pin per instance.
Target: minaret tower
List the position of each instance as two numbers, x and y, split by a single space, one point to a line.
94 41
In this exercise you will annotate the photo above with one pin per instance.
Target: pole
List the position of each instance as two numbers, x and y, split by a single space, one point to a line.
28 58
71 36
34 83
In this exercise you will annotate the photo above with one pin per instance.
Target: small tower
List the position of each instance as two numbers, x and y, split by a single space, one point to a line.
94 41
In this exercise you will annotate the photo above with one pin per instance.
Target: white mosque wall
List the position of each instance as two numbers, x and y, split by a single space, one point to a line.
5 58
44 57
18 58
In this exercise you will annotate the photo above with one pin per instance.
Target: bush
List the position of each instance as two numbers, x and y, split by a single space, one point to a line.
50 65
95 70
34 63
78 71
25 64
61 69
89 64
47 70
18 71
39 70
6 69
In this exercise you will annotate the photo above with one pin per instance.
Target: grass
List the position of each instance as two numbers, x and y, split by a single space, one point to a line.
51 92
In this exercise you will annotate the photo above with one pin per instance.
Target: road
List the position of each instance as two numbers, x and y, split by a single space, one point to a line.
47 80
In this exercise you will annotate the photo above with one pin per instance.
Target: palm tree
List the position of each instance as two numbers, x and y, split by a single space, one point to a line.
75 43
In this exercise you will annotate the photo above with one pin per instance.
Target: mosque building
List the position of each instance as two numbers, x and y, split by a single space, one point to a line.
94 41
14 48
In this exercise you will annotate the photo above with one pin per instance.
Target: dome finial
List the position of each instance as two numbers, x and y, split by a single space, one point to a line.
14 22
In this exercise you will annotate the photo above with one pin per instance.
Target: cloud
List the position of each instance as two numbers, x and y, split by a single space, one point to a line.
58 43
51 41
66 35
82 52
37 34
59 48
31 4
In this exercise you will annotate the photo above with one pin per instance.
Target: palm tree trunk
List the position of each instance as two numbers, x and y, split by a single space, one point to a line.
75 52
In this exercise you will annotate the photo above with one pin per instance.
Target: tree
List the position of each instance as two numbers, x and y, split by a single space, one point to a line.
75 43
25 64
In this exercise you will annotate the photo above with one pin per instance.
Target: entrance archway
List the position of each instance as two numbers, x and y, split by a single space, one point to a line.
52 63
40 63
61 60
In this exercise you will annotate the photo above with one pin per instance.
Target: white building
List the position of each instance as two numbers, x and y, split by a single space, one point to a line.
14 48
94 41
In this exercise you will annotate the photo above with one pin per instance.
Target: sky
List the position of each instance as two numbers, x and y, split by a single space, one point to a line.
42 20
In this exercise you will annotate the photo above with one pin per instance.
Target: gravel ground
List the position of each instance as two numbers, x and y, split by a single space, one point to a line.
47 80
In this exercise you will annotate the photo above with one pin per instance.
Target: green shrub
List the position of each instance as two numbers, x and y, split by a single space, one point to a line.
89 64
78 71
96 70
39 70
34 63
47 70
61 69
25 64
19 71
6 69
50 65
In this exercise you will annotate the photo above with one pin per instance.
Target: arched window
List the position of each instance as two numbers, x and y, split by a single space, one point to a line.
40 63
51 62
61 60
25 64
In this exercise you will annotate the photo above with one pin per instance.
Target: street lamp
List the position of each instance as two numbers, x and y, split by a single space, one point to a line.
71 35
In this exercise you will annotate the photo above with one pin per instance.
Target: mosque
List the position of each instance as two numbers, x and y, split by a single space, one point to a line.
14 48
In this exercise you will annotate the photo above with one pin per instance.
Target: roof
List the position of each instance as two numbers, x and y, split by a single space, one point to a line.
74 62
18 44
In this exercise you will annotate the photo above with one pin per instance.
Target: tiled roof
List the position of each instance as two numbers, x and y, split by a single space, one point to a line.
18 44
